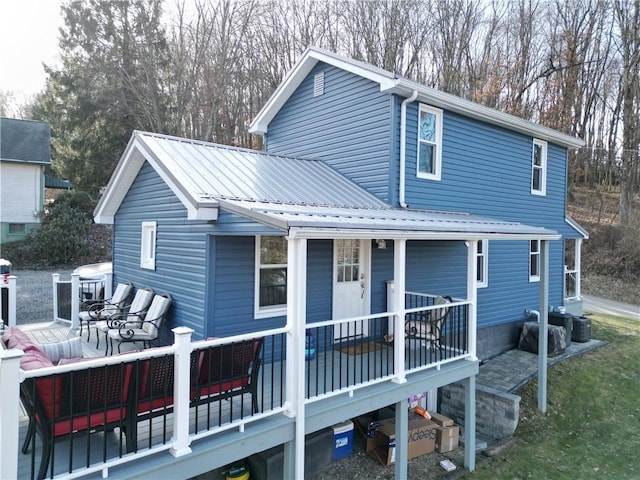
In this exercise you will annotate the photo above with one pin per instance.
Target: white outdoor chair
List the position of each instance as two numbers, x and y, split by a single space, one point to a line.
101 309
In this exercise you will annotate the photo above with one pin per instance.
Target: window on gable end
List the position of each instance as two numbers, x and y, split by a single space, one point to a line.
539 168
482 264
148 245
271 276
534 260
429 164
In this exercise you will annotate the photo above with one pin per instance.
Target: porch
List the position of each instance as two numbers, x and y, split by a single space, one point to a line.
343 380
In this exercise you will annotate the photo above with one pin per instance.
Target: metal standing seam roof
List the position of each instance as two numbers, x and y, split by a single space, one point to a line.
208 171
288 193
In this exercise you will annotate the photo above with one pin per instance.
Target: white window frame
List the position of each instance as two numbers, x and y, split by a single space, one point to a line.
148 245
272 310
542 168
437 145
534 255
483 256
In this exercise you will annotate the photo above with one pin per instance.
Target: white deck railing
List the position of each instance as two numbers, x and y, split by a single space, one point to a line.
337 367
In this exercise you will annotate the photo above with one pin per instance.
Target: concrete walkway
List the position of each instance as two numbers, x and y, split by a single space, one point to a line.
610 307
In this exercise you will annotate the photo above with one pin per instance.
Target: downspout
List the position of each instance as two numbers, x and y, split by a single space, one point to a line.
403 146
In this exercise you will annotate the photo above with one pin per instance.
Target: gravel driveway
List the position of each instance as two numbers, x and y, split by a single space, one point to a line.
34 294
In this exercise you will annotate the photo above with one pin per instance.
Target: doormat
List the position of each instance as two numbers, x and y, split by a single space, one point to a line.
359 348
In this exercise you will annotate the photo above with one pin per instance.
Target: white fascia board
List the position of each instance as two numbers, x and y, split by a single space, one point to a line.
259 217
331 233
471 109
296 76
125 174
577 227
119 183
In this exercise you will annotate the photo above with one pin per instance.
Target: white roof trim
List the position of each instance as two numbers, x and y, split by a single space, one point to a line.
126 172
372 234
577 227
390 83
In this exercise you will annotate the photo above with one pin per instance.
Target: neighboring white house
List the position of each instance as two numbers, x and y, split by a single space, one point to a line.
25 150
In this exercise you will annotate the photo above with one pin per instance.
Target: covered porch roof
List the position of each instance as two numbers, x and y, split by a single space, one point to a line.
303 198
318 221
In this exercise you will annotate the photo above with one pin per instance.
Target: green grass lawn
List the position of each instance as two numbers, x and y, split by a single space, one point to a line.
592 425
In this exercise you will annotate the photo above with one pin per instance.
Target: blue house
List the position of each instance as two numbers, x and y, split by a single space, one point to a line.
375 198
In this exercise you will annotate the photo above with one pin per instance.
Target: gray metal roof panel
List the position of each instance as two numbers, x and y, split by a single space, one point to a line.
389 219
207 171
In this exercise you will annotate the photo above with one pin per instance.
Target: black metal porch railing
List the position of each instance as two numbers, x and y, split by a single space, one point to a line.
344 356
435 332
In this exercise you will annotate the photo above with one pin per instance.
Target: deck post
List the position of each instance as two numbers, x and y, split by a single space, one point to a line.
296 324
470 423
108 285
75 302
472 295
12 300
9 412
56 279
402 438
399 271
543 326
181 386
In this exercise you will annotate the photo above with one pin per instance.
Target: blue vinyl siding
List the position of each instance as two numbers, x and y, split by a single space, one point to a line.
232 309
180 248
349 127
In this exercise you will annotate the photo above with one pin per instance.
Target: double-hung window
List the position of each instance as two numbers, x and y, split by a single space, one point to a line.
534 261
539 168
148 245
271 276
429 142
482 264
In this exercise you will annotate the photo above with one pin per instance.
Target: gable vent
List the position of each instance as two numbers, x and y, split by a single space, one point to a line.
318 84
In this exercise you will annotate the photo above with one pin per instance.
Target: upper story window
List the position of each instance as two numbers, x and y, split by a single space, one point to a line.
148 245
539 168
271 276
482 267
534 261
429 142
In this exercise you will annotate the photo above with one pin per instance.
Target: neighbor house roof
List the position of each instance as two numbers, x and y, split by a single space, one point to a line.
52 182
302 197
25 141
391 83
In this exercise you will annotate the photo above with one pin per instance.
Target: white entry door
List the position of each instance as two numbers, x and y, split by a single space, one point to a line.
351 286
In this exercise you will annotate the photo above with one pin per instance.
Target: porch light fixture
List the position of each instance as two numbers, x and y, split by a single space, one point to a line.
382 244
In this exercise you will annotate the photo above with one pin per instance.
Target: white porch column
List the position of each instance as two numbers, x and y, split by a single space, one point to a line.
577 265
399 274
9 412
181 388
472 295
75 302
295 373
543 327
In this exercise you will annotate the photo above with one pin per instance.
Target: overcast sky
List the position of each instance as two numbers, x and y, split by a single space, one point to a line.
28 37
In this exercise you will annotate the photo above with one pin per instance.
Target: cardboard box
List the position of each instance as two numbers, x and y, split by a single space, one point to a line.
447 438
422 439
441 420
